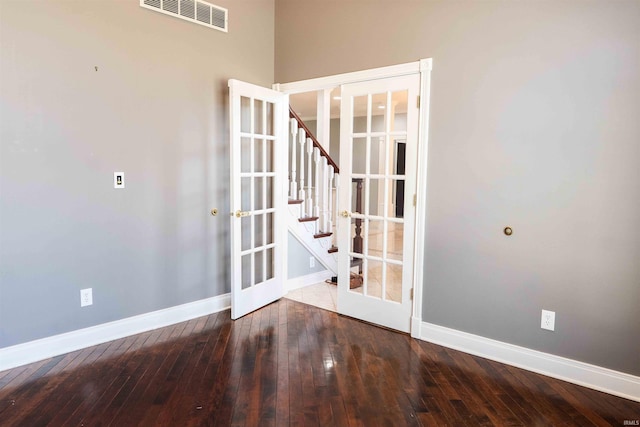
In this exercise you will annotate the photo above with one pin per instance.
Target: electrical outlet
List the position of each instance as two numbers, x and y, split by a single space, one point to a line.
86 297
548 320
312 262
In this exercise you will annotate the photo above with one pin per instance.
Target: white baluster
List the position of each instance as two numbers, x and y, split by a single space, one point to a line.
302 136
324 195
336 180
317 183
309 202
293 185
330 207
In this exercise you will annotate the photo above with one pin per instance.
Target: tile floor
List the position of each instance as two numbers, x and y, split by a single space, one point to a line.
322 295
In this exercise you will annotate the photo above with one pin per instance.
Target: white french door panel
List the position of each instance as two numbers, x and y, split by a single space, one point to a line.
258 126
378 154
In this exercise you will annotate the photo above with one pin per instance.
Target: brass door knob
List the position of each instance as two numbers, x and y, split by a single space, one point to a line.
240 214
345 214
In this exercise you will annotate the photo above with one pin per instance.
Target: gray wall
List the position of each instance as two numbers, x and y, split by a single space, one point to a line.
155 109
534 124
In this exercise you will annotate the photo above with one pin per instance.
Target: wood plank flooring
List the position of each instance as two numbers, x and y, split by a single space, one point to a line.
291 364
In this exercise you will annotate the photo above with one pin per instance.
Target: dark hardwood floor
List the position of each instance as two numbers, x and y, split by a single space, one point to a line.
291 364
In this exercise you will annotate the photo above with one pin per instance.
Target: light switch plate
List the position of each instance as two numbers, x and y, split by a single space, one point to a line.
118 180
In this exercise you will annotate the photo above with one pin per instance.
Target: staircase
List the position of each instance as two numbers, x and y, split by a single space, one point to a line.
313 194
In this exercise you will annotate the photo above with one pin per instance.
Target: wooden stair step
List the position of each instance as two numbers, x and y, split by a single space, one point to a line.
295 202
321 235
332 249
308 219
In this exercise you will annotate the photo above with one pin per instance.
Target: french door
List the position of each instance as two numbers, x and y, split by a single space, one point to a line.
258 120
378 169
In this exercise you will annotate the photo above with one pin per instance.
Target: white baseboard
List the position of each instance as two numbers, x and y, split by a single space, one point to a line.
584 374
309 279
33 351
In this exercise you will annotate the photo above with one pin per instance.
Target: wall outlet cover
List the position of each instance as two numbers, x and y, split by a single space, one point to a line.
86 297
548 320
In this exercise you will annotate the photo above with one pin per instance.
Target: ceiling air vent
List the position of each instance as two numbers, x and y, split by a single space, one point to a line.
196 11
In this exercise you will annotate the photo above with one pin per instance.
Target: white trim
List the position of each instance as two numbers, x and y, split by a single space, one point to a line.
426 66
573 371
33 351
308 280
331 82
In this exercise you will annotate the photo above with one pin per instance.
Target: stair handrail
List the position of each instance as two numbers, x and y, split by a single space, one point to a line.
316 144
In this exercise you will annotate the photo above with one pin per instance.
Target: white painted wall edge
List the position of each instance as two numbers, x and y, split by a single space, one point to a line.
33 351
573 371
309 279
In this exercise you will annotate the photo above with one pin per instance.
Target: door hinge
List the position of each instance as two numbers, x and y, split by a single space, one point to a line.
415 199
418 103
411 294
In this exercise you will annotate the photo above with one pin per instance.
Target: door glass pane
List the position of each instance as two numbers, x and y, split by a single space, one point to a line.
357 269
378 155
396 186
245 194
245 114
245 154
357 195
259 117
360 114
246 271
395 239
376 193
269 130
270 270
259 267
245 231
269 148
379 112
269 227
394 283
356 240
258 155
359 155
398 160
399 117
259 229
258 202
375 237
373 278
268 182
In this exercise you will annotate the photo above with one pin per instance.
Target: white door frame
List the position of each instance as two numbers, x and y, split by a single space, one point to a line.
423 67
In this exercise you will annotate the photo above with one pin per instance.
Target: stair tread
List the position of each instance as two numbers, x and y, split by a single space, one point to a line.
308 219
295 201
332 249
320 235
